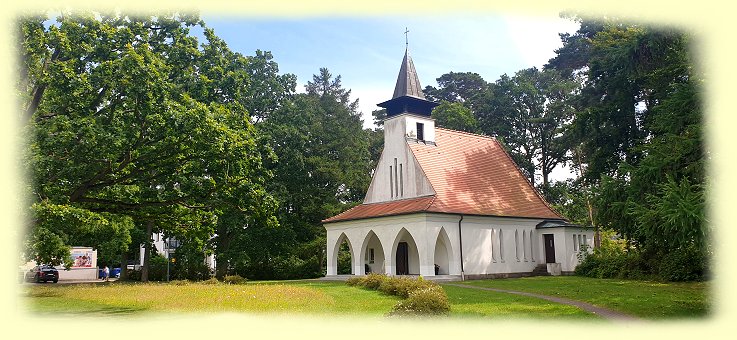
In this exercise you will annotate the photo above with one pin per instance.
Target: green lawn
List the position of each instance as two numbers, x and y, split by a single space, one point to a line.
651 300
645 299
133 299
478 303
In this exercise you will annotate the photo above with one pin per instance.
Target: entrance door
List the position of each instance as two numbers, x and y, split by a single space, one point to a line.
402 258
549 248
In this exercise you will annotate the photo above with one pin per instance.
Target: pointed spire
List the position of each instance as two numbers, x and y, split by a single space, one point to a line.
407 82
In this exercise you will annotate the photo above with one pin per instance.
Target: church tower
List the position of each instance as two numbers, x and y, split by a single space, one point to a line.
408 120
408 108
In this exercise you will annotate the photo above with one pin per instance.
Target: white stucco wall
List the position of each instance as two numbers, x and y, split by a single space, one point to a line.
482 237
396 152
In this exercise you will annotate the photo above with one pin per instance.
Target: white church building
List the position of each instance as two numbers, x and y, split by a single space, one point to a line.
449 204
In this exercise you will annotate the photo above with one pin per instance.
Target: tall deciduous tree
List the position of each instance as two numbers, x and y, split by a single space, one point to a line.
638 123
529 112
323 164
124 119
467 88
455 116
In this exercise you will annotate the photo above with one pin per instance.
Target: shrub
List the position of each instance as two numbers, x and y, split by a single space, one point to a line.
157 268
421 297
683 265
355 281
234 279
373 280
402 286
211 281
388 286
134 275
429 300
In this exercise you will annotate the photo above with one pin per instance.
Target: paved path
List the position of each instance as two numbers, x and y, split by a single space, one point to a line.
603 312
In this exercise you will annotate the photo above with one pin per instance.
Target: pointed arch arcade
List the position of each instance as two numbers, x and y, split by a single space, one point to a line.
336 250
372 255
405 255
443 254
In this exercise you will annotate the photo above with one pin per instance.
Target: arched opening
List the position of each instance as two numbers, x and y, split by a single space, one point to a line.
373 254
442 244
343 255
406 256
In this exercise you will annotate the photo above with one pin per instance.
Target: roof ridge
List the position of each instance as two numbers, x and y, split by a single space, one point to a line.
539 195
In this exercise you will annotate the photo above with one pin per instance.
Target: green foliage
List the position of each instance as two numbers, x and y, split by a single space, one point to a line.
56 226
157 268
454 116
421 297
466 88
612 259
403 286
639 131
430 300
234 279
323 168
130 118
688 264
210 281
44 246
374 280
354 281
345 263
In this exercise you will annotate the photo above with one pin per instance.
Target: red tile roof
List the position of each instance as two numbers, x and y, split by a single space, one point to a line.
470 174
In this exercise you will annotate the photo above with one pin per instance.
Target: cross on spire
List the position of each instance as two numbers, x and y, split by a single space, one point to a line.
406 41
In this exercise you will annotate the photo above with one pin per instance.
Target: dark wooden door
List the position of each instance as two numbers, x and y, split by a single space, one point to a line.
549 248
402 258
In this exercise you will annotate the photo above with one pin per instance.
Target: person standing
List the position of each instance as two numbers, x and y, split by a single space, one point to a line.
106 273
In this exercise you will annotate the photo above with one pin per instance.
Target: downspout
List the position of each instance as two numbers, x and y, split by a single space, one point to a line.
460 240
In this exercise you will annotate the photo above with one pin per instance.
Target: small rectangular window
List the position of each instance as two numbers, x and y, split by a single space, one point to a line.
371 255
575 242
420 131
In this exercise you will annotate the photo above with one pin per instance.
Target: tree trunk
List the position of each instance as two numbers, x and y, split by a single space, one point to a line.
221 263
124 265
147 251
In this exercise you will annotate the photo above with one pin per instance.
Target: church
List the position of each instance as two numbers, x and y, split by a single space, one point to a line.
450 205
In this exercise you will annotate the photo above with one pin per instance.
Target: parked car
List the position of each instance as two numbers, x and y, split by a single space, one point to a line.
44 273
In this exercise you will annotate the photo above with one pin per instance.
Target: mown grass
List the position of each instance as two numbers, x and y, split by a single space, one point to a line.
131 299
651 300
469 303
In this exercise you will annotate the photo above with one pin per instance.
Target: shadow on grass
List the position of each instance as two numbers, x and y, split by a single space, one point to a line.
93 311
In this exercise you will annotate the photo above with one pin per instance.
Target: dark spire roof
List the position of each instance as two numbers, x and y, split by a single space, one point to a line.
408 96
407 82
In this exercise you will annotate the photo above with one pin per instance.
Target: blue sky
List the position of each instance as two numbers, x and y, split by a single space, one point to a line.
367 51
